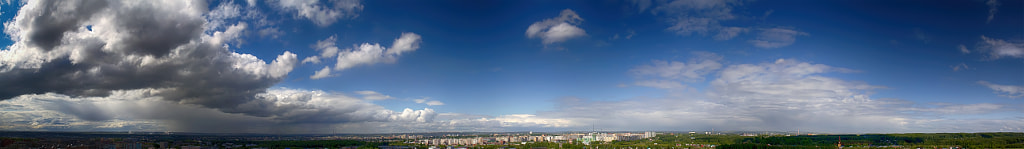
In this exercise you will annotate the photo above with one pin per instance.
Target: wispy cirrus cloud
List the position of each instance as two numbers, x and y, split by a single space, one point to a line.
998 48
372 95
1011 91
782 95
706 18
993 7
661 84
776 38
963 49
961 66
322 13
428 101
701 17
693 70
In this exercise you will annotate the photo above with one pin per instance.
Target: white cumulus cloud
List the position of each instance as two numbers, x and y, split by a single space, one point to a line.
322 73
364 54
408 42
558 29
374 53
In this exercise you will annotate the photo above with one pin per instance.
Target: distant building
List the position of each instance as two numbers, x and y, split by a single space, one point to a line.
522 139
650 134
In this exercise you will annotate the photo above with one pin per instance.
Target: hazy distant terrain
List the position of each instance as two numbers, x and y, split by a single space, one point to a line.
496 140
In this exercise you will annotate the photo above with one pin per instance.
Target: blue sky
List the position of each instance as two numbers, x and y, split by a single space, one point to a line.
420 66
481 58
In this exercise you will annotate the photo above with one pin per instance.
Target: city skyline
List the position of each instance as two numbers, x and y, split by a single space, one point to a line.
353 66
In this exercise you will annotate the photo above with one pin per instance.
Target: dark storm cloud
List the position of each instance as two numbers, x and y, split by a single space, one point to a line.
52 18
127 64
132 45
149 33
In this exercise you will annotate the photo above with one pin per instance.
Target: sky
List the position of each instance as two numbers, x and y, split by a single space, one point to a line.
388 66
